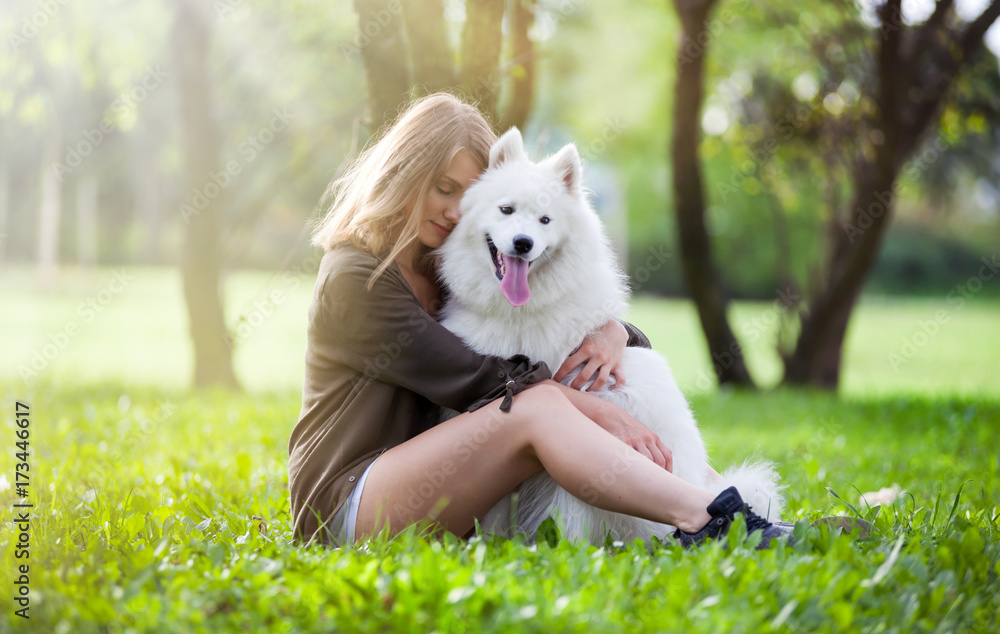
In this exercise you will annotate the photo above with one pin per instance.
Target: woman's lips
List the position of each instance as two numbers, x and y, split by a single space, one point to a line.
443 231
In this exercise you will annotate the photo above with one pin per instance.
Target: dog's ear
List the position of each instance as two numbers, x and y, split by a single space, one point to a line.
566 165
509 147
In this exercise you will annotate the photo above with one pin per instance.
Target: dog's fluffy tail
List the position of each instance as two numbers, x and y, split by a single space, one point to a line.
757 482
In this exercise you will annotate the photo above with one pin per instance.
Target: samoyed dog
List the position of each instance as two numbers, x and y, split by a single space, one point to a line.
530 271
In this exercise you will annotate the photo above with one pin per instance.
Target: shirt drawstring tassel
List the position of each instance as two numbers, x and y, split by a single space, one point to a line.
509 398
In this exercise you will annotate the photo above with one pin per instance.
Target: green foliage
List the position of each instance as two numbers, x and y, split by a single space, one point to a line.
777 72
161 510
178 522
917 262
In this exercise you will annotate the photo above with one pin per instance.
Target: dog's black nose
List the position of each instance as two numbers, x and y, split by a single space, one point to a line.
523 243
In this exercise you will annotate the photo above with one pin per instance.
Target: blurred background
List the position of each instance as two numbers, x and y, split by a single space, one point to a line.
805 192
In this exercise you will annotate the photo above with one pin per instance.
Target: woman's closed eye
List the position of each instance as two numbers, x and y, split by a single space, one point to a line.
446 192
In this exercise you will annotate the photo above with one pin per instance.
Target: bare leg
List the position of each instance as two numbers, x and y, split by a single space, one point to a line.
461 468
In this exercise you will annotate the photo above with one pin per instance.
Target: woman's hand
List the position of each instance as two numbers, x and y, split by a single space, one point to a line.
634 434
621 424
601 351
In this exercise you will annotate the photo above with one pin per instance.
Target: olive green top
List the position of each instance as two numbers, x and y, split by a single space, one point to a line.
379 369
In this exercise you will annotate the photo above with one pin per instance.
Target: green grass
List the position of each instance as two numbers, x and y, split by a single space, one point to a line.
140 336
162 510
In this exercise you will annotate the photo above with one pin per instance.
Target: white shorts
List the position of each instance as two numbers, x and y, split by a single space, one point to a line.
353 502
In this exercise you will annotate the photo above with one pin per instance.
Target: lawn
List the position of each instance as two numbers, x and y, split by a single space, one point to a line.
161 510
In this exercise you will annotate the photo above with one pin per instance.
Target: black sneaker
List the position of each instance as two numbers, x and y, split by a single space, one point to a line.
722 509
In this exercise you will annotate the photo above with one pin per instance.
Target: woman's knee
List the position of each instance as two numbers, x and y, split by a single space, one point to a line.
540 402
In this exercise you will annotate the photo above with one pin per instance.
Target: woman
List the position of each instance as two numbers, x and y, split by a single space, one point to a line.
367 453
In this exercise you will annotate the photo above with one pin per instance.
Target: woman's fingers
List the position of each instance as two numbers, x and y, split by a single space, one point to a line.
641 448
563 370
658 456
585 374
619 375
581 354
602 378
668 456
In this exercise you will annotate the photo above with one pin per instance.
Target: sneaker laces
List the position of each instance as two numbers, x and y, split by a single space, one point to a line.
754 522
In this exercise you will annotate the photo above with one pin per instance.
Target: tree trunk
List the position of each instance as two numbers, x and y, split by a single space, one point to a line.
816 360
522 66
49 212
427 33
86 221
908 103
384 56
201 264
481 43
700 272
408 54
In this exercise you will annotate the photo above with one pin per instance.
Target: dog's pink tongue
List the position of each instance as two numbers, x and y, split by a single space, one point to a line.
514 284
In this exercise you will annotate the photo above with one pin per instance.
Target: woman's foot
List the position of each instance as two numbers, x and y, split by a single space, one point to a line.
723 509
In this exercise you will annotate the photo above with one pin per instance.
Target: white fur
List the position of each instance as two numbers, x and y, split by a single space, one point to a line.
576 285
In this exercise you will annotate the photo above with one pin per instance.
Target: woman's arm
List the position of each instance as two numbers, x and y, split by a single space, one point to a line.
621 424
601 354
386 335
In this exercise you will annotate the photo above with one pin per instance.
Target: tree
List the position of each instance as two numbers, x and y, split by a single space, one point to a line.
907 72
201 265
700 272
405 53
916 67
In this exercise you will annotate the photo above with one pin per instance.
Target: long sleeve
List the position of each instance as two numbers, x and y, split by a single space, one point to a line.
635 337
386 335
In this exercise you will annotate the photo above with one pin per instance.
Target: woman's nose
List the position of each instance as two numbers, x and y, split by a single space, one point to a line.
452 213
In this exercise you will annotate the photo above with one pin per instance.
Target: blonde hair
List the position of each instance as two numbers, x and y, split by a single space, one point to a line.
376 204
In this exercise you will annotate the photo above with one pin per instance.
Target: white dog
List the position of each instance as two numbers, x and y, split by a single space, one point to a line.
530 271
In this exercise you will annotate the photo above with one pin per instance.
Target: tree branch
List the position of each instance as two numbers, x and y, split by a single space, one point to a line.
941 10
972 38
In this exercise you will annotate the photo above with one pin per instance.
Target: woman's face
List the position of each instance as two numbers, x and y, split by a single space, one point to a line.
440 213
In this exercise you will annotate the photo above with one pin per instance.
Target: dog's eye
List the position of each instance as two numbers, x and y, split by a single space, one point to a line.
506 209
544 220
